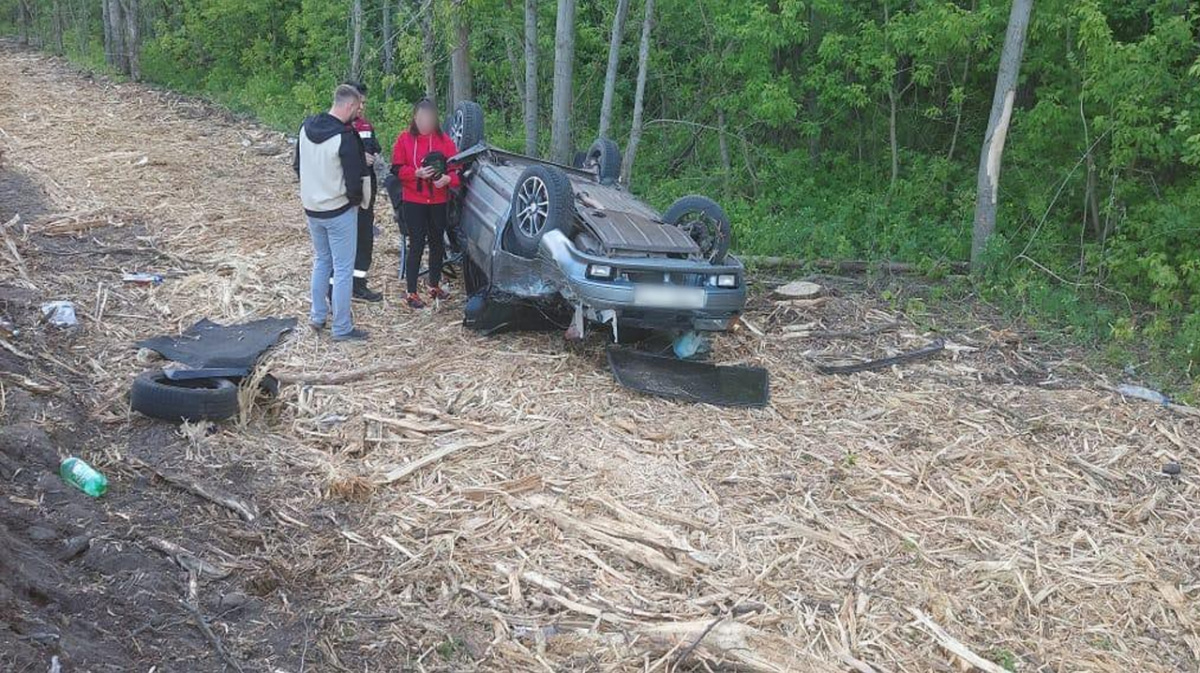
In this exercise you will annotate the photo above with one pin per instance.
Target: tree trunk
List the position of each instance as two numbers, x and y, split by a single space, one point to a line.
531 78
389 41
614 57
561 99
812 105
133 38
514 68
639 97
958 115
108 36
24 21
116 23
726 163
427 48
356 27
892 143
56 26
1091 205
460 58
988 186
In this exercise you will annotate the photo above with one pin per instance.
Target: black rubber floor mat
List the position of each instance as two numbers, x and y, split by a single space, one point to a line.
208 344
725 386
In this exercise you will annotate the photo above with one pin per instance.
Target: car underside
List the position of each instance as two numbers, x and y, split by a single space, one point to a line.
542 232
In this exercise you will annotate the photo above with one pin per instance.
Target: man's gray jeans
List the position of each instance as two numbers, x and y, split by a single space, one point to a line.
334 242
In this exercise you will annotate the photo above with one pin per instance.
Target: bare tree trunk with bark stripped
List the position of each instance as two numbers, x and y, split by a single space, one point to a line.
988 187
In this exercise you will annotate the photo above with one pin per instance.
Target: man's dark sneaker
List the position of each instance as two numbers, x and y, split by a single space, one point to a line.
364 293
353 335
316 326
436 292
414 301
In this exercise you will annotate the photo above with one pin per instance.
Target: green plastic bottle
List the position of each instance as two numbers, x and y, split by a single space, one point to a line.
83 477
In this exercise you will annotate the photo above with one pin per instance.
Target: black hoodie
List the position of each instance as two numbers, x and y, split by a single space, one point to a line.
329 160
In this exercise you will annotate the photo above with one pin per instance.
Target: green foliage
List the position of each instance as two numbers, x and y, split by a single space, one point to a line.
1097 236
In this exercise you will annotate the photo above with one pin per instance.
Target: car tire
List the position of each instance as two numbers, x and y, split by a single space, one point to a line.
465 125
156 396
549 188
604 159
705 222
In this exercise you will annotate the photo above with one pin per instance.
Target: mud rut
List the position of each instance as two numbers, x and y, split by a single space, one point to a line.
995 505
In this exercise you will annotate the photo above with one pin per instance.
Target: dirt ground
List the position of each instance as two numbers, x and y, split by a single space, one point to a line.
995 508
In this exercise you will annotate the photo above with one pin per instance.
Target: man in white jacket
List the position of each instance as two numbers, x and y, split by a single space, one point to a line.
331 165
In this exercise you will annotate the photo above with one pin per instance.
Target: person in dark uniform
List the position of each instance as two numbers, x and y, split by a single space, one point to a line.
366 212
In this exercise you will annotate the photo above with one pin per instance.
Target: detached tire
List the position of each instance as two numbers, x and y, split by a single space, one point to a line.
542 201
604 159
156 396
465 125
705 222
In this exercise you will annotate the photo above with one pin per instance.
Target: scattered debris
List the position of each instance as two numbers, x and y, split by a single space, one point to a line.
143 279
60 313
1138 392
187 560
799 289
923 353
84 477
954 645
1143 394
688 380
1172 468
689 345
247 513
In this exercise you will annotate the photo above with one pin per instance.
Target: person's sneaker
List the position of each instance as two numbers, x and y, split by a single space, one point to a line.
355 334
436 292
414 301
316 326
364 293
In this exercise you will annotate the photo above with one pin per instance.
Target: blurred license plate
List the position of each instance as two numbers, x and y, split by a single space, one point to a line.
664 296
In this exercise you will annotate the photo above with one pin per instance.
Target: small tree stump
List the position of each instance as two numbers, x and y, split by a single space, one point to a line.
799 289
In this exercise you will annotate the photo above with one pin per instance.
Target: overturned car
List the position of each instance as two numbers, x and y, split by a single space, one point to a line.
549 235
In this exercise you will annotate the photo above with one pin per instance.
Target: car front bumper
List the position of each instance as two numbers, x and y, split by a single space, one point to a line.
621 296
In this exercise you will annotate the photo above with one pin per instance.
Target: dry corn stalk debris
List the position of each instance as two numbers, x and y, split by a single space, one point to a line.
992 505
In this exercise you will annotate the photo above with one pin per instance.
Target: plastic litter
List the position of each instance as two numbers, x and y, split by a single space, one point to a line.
146 279
689 345
83 477
60 313
1143 394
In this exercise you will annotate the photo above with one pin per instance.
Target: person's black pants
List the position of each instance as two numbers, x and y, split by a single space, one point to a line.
366 246
364 250
426 223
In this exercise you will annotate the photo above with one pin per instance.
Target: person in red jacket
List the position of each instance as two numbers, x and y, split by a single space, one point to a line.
419 161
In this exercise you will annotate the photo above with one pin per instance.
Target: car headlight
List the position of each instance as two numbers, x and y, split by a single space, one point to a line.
727 280
599 271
